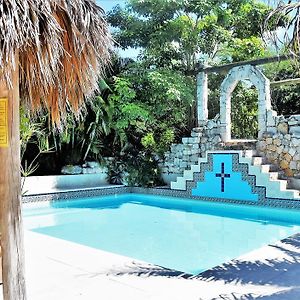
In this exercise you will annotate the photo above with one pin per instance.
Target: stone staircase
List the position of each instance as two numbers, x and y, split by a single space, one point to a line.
267 175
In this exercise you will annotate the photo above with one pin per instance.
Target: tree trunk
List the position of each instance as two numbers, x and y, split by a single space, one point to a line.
10 196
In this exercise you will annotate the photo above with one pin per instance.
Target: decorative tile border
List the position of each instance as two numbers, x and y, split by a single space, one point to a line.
162 191
77 194
268 202
243 168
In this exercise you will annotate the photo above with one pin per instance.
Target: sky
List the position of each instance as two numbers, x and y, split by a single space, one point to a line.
109 4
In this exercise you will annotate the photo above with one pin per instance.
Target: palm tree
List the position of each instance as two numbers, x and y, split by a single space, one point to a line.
51 55
291 14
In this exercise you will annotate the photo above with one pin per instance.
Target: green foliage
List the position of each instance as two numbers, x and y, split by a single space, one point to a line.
128 116
175 34
149 107
244 112
243 49
156 102
169 95
166 138
285 98
97 128
142 170
31 133
148 141
28 129
138 168
80 138
115 172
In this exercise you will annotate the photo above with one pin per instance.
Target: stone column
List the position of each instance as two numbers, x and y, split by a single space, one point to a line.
202 96
225 115
264 105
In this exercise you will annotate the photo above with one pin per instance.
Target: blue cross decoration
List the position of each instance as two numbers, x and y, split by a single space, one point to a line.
222 175
220 170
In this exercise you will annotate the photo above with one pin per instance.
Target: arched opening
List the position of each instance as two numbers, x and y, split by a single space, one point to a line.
244 111
262 85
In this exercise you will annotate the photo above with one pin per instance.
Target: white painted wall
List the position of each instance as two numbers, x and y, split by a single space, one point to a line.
48 184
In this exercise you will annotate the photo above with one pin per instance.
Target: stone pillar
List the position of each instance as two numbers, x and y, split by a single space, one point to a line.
202 96
264 105
225 116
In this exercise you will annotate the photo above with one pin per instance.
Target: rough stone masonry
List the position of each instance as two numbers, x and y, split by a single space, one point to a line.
278 137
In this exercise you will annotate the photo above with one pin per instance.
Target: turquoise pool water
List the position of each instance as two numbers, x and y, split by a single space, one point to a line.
185 235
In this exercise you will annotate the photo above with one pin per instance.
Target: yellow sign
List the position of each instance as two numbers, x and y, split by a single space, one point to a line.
3 122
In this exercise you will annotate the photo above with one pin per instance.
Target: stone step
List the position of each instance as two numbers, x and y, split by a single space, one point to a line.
296 193
258 160
250 153
188 174
288 194
195 168
270 179
179 184
273 175
269 183
265 168
282 183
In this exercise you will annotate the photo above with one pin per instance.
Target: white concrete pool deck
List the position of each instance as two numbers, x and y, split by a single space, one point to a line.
57 269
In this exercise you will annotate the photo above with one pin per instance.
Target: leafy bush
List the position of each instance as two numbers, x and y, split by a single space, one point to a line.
143 170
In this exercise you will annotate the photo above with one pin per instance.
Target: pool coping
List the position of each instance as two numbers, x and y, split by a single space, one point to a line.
159 191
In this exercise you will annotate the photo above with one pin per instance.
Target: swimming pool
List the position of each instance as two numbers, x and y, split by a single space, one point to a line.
186 235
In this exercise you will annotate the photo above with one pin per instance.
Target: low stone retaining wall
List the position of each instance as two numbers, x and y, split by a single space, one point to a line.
181 156
281 143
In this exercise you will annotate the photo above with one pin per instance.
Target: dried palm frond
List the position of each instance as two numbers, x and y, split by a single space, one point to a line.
63 47
290 38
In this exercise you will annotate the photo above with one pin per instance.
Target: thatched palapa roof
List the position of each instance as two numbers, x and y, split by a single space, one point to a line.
63 47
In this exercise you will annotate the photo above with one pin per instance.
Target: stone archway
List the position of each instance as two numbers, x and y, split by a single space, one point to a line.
260 81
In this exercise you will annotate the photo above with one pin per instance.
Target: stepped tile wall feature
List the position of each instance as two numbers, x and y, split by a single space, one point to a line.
278 136
224 181
261 185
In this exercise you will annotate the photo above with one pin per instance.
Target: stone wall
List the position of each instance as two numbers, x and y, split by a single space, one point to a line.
278 137
280 144
182 156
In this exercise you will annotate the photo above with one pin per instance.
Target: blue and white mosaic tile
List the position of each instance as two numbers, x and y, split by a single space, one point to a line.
223 182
